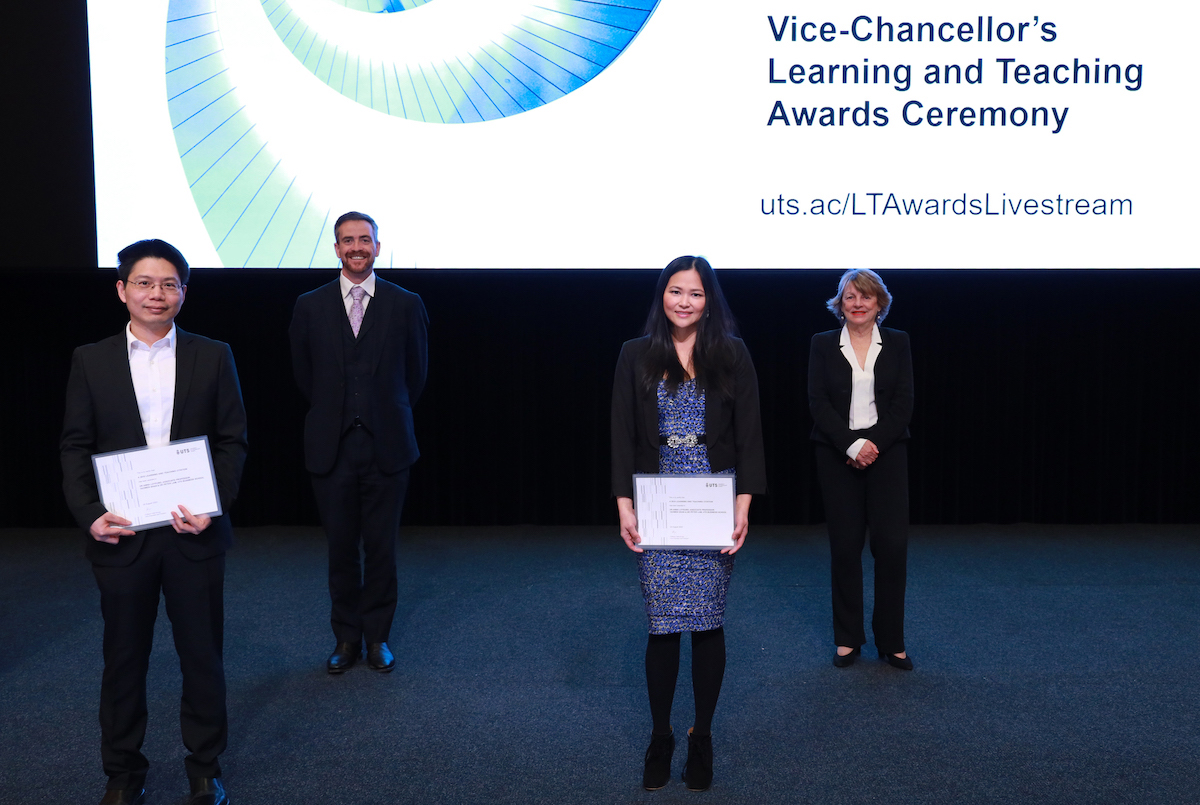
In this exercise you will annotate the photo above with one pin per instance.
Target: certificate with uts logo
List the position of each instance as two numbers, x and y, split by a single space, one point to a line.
685 511
145 484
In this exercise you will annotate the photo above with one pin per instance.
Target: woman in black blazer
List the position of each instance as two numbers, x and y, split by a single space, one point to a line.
685 400
860 393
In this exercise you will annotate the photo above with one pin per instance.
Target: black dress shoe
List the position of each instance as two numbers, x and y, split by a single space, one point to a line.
903 663
207 791
657 771
344 655
380 658
124 796
697 772
846 660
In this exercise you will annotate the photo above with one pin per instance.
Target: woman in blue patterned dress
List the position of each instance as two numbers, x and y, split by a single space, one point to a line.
685 400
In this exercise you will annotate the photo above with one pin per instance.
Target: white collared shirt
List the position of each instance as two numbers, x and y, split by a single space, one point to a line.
152 368
367 285
863 413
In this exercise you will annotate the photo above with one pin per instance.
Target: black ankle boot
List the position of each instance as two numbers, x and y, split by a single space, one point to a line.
658 761
697 772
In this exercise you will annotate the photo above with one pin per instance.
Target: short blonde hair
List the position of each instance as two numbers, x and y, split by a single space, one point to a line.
867 282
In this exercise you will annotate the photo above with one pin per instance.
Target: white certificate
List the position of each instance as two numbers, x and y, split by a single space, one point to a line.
145 484
685 511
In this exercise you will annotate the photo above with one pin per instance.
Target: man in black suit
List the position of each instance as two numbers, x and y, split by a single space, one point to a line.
359 355
149 385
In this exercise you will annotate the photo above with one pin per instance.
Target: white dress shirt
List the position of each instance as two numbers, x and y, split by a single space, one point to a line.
152 368
863 413
367 285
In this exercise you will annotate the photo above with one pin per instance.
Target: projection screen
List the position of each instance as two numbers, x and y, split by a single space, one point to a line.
573 134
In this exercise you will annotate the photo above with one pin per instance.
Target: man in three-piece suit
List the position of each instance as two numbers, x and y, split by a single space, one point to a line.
359 355
149 385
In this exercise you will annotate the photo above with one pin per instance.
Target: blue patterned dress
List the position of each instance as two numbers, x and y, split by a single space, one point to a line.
684 590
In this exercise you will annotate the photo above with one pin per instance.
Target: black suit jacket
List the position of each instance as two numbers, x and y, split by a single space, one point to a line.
830 385
733 428
394 331
102 415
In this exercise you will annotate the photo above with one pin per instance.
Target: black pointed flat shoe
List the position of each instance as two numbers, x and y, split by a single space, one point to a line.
903 663
845 660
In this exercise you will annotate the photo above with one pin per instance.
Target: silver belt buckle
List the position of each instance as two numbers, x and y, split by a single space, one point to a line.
681 441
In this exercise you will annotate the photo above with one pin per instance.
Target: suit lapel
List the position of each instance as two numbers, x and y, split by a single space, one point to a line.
185 365
837 356
649 409
885 355
336 320
379 312
118 369
650 419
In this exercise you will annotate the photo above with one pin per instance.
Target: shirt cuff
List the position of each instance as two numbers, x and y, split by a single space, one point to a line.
854 449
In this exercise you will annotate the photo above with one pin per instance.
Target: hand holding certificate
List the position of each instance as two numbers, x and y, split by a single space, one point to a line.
146 484
685 511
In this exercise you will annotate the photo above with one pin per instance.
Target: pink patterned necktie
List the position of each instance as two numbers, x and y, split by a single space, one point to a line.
356 308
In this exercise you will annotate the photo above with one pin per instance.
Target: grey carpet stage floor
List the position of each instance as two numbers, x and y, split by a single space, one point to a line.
1053 665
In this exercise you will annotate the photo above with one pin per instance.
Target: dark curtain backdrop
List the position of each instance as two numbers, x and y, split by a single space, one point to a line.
1042 396
1062 396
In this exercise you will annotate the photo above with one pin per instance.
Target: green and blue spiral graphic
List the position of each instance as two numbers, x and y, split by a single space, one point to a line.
247 196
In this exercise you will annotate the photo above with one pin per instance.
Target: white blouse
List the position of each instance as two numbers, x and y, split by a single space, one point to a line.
863 413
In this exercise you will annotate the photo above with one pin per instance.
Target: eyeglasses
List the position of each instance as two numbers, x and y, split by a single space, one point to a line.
145 286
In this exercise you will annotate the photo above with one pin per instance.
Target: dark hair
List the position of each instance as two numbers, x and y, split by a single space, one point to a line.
713 353
356 216
128 257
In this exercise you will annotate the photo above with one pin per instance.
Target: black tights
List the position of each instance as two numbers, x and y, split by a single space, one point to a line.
662 669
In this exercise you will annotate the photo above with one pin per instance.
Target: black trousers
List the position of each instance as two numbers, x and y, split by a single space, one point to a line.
361 505
194 593
873 501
